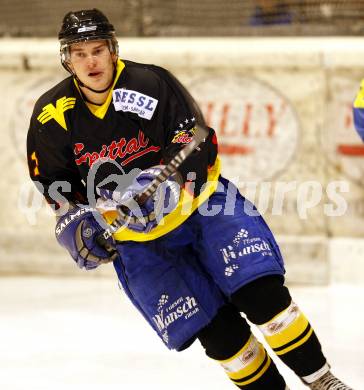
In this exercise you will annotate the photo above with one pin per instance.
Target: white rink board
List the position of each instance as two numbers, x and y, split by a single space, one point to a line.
281 108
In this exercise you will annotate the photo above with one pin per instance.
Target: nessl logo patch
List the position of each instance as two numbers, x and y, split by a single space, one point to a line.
128 100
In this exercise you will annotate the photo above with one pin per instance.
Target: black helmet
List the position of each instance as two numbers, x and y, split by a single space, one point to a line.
85 25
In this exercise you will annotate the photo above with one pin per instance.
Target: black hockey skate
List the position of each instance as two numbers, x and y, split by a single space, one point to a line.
328 382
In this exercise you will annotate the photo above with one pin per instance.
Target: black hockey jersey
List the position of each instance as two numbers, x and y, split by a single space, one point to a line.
147 117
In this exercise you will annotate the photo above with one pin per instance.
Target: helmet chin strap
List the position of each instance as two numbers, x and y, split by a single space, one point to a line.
96 90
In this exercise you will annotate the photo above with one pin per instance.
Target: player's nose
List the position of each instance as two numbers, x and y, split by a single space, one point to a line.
91 60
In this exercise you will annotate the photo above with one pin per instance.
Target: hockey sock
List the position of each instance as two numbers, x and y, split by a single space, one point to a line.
292 338
268 304
228 340
252 368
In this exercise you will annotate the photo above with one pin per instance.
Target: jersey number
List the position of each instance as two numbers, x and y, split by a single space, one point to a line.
36 169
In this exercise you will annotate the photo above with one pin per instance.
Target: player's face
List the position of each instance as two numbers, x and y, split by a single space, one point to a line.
93 63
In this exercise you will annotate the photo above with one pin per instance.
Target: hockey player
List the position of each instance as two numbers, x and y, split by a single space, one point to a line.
189 273
358 111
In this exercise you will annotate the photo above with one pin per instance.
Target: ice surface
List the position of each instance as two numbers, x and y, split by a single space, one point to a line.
83 334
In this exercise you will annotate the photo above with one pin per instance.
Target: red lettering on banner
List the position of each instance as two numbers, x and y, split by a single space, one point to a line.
352 149
222 116
271 120
234 149
224 119
247 119
209 110
349 116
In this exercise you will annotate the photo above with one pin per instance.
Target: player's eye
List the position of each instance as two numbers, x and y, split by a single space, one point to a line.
98 52
78 55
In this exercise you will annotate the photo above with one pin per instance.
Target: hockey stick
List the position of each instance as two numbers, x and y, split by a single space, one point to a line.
140 198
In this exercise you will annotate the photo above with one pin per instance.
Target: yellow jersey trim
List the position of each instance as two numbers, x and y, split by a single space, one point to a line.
92 107
359 100
100 111
186 206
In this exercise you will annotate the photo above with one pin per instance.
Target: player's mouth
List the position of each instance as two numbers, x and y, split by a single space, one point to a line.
94 74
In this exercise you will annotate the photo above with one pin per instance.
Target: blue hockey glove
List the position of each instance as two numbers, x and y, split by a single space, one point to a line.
77 231
143 218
